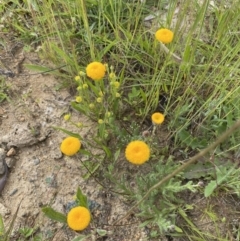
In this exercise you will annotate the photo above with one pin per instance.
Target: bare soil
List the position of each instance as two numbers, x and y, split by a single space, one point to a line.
39 174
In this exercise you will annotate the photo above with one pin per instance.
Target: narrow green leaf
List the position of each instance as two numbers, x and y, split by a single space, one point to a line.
105 148
179 230
77 107
2 229
37 68
54 215
68 132
81 198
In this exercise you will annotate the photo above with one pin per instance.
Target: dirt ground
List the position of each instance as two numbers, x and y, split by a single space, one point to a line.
38 172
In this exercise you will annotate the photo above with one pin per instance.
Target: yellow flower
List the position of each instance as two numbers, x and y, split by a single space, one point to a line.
164 35
96 70
100 121
78 99
100 93
91 106
77 78
70 146
137 152
116 84
157 118
79 124
67 117
85 86
99 100
117 95
109 114
79 88
112 76
81 73
78 218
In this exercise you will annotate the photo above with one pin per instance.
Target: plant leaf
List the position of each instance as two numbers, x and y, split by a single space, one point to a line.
210 188
2 229
80 238
54 215
68 132
81 198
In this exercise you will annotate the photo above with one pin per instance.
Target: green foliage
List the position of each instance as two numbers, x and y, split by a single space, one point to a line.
198 73
227 177
160 208
81 199
54 215
3 90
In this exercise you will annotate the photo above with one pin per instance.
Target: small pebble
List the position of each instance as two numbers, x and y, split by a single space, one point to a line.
36 161
11 152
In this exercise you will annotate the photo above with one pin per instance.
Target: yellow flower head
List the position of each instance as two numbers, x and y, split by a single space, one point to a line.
157 118
99 100
137 152
164 35
85 86
78 218
117 95
100 93
67 117
78 99
70 146
91 106
79 124
77 78
81 73
112 76
116 84
100 121
96 70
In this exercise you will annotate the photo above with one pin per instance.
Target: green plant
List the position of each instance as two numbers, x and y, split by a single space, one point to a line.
197 74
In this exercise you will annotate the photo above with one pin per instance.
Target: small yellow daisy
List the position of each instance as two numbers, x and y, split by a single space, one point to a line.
96 70
78 218
137 152
70 146
164 35
157 118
